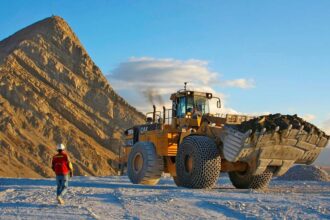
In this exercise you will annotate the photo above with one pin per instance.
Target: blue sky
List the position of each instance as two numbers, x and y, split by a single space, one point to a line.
282 47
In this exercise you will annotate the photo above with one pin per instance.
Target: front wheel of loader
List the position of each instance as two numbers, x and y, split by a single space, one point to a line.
176 181
144 166
198 163
245 180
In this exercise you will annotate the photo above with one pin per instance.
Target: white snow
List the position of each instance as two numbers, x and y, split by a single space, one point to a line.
116 198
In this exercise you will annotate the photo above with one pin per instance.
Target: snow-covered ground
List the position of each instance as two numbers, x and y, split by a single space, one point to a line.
116 198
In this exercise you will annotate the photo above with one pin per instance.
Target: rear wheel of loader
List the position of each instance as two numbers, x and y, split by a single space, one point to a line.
245 180
198 163
144 166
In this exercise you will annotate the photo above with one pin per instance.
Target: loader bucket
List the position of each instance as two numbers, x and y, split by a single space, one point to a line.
276 147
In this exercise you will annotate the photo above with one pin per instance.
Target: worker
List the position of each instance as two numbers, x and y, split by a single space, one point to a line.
63 169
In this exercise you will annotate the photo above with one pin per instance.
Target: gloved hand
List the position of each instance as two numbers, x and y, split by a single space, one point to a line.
71 174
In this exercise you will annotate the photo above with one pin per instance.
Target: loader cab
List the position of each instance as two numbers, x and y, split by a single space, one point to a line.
187 102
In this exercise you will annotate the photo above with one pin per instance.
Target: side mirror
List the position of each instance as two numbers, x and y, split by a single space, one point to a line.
219 104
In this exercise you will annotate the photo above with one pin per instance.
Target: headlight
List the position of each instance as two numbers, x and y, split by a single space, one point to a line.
209 95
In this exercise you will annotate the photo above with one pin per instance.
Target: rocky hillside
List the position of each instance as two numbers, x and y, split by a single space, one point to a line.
51 91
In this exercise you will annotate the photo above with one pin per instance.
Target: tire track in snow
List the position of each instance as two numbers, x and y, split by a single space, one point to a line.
38 202
118 194
228 212
98 201
4 192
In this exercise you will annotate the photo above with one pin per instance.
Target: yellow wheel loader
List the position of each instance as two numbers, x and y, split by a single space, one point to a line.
194 146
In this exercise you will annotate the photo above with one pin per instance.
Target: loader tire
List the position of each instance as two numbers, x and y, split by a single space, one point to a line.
144 166
198 163
245 180
176 181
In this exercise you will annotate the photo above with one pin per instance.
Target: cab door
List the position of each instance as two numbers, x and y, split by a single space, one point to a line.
181 107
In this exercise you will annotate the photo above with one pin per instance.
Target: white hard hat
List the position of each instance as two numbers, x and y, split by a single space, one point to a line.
60 146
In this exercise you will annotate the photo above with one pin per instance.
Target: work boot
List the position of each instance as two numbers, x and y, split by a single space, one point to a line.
60 200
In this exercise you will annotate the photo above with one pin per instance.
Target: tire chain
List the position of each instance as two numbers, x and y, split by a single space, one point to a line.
248 181
262 180
207 162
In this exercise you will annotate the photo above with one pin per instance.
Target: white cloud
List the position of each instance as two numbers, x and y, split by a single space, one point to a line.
239 83
144 81
308 117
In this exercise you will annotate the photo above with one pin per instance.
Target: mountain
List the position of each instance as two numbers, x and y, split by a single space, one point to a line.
51 91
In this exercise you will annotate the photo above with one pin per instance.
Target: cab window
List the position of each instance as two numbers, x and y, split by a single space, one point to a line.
181 110
190 104
202 105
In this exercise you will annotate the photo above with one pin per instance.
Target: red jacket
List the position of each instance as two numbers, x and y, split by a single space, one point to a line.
61 164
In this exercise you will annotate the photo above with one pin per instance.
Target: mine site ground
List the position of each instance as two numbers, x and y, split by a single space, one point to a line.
116 198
